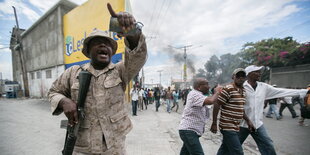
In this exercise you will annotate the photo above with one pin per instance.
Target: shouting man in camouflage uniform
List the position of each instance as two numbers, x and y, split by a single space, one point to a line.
106 122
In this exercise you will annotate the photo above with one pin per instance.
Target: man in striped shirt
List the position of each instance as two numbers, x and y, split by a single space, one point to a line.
194 116
231 101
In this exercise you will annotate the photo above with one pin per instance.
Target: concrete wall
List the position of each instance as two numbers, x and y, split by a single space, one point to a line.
39 85
292 76
43 47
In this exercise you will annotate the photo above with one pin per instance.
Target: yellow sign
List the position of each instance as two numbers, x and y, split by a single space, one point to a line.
81 21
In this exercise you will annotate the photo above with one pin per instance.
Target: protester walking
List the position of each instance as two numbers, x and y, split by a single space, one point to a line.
157 98
141 92
256 93
134 93
175 96
231 101
194 117
273 108
287 102
169 99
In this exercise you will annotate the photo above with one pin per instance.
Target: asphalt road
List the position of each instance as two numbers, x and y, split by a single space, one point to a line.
27 127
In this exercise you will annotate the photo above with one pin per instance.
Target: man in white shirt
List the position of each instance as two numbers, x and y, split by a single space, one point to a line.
256 94
134 93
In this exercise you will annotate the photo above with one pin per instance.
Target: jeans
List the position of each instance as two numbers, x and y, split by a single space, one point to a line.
134 107
273 108
175 103
191 143
169 105
157 104
263 141
231 144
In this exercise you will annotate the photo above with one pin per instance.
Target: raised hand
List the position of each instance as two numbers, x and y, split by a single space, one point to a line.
125 19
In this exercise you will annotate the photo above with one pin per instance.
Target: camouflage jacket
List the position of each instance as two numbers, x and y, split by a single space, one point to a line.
105 109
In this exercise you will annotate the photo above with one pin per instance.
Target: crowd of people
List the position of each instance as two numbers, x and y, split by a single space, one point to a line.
142 97
241 105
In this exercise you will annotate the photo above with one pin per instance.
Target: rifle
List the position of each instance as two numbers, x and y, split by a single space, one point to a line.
72 131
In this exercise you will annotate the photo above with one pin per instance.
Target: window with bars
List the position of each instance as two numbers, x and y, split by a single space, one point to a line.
32 75
48 74
38 75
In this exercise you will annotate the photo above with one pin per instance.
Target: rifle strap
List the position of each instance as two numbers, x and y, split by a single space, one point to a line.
82 104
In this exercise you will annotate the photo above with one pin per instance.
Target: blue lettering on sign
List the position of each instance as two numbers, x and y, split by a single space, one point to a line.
71 46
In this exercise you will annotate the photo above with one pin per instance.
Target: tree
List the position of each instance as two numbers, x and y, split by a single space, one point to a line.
273 52
270 52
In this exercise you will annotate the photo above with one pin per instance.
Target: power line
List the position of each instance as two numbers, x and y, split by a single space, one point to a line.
159 13
151 19
292 28
164 17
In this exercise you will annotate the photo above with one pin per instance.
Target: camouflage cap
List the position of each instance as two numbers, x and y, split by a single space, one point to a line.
98 33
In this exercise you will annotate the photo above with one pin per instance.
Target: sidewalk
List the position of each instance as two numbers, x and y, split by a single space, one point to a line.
156 133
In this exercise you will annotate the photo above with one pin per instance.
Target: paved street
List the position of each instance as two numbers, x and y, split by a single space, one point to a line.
27 127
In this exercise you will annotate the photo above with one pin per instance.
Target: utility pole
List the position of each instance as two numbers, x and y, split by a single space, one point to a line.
185 63
142 81
21 57
160 77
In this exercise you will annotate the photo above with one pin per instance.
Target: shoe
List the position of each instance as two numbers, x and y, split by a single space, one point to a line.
268 116
303 124
279 118
295 116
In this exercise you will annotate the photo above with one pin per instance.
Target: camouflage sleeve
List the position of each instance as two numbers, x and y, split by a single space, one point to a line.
134 59
60 89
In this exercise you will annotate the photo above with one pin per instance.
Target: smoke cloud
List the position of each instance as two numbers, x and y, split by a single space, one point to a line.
178 58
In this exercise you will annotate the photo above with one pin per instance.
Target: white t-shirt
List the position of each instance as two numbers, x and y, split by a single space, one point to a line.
134 94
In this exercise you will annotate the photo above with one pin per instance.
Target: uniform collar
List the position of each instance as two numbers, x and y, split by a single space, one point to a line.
92 70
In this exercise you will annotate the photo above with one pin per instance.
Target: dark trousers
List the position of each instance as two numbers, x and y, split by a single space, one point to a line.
157 104
231 144
290 107
175 103
134 107
145 102
191 143
263 141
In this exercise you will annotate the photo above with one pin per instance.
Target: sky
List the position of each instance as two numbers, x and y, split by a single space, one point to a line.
206 27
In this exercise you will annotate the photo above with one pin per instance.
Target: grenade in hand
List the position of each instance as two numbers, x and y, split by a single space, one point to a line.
115 27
